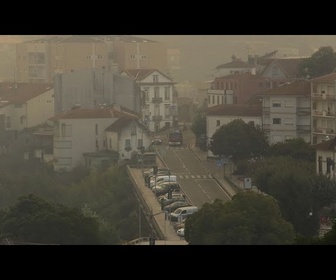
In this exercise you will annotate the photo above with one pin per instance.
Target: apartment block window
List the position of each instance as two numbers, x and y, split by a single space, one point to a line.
155 78
146 91
127 144
217 122
217 99
167 93
209 99
156 110
213 99
276 120
330 164
140 143
156 92
132 56
314 88
314 106
276 104
320 165
96 128
110 143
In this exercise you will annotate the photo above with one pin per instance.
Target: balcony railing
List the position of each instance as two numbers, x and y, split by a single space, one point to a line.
157 100
157 118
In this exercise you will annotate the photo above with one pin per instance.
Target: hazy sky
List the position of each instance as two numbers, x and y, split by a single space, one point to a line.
201 53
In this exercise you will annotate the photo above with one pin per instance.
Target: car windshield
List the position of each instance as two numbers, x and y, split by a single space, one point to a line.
178 211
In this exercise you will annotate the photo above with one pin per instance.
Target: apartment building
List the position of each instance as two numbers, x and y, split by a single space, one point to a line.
323 104
159 109
326 157
40 59
286 112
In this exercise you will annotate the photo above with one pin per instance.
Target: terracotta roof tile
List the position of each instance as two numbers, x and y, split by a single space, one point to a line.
19 93
295 88
236 64
328 145
121 123
142 73
326 78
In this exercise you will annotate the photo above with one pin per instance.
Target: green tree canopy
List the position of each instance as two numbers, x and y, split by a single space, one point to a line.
322 62
301 193
32 219
198 126
248 219
296 148
239 140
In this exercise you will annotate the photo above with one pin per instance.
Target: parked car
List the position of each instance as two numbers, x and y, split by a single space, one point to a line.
177 204
182 212
166 201
180 232
165 187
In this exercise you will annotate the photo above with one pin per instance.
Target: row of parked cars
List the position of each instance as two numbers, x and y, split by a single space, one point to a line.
173 201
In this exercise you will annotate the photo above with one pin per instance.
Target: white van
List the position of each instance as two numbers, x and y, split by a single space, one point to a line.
180 213
161 179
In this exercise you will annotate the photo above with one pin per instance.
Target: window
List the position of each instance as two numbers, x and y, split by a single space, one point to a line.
217 99
276 104
213 99
276 121
156 110
156 92
167 111
132 56
319 164
155 78
167 93
110 142
140 143
314 88
330 164
146 91
127 144
314 106
96 128
209 99
217 122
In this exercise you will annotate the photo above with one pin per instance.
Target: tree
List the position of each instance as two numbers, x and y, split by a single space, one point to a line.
239 140
198 127
295 148
301 193
322 62
32 219
248 219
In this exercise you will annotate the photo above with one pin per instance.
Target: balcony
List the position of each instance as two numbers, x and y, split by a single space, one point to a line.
157 100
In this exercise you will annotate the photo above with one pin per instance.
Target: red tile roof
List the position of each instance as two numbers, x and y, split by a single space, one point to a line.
295 88
81 113
326 78
236 64
20 93
290 66
328 145
235 110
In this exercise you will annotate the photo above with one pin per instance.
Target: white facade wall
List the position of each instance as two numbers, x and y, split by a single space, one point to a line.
323 155
216 97
8 111
153 109
80 137
286 117
40 108
213 123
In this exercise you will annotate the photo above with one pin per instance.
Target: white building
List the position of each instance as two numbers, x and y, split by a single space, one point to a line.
84 131
323 108
25 105
286 112
159 109
223 114
325 158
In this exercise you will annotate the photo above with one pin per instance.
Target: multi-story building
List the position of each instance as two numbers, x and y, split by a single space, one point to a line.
158 107
323 104
94 88
137 53
236 88
326 158
81 132
233 67
23 106
286 112
39 60
223 114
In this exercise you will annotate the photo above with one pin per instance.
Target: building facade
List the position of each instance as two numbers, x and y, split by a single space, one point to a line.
323 104
159 109
93 88
286 112
223 114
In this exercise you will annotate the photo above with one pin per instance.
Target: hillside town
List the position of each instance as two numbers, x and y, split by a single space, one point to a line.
93 100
